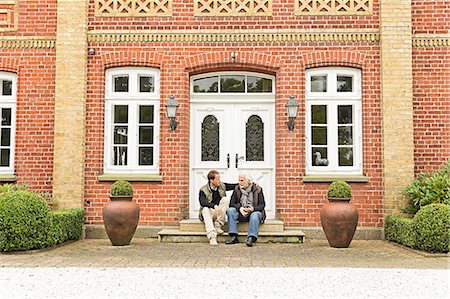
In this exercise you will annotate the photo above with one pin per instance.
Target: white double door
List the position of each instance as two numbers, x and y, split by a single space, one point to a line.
230 138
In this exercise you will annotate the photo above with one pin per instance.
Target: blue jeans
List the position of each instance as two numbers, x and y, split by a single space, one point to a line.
254 220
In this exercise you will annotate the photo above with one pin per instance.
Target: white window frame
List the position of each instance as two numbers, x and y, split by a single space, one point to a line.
332 99
133 98
9 102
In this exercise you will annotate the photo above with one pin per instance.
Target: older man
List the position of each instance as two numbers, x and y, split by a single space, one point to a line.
213 205
247 205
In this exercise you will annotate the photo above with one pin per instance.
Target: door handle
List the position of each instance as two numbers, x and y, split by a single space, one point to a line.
228 160
237 160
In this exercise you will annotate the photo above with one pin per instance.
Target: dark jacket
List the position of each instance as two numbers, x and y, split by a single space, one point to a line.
258 199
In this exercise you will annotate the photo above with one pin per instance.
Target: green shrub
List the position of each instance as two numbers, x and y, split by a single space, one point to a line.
121 188
398 228
13 187
339 189
24 221
427 189
431 228
66 225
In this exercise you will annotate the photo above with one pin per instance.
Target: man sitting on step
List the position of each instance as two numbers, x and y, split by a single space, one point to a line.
247 205
213 205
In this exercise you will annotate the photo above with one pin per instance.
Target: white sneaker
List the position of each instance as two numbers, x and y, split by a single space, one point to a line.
218 228
213 242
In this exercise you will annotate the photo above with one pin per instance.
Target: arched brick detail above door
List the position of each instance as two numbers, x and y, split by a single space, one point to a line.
132 58
8 64
221 61
333 58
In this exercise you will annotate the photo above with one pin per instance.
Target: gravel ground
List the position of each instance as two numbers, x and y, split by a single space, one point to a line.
97 283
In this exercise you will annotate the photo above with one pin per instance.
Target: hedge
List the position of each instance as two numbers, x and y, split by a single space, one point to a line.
26 222
429 230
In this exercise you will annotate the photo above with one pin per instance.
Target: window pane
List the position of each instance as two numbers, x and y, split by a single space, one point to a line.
254 148
120 155
210 139
120 135
344 83
319 135
258 84
345 135
319 114
319 83
146 114
146 135
146 156
345 156
319 156
209 84
121 84
121 114
146 84
345 114
6 116
232 84
6 137
4 157
7 88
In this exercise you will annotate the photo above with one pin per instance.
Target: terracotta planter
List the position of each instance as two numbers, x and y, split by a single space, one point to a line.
121 217
339 219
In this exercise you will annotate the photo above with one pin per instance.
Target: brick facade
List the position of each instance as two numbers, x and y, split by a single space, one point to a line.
182 45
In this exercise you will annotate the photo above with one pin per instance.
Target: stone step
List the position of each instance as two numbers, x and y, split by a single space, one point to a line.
195 225
178 236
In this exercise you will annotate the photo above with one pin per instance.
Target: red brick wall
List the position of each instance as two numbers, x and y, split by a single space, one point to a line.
431 77
431 16
183 18
35 69
298 203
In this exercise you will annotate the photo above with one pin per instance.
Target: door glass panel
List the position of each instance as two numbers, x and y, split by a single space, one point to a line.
345 135
6 116
6 137
210 139
319 156
145 135
121 84
344 83
4 157
120 155
146 156
232 83
146 84
254 149
345 114
258 84
120 135
120 114
319 135
208 84
319 114
345 156
319 83
7 88
146 114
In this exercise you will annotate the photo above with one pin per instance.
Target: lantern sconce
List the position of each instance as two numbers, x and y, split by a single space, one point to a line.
292 109
171 108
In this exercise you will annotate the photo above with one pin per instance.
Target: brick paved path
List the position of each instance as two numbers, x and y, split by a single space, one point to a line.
151 253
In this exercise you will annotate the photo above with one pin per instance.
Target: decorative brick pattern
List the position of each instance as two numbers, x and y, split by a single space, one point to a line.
397 101
231 8
134 8
333 7
9 19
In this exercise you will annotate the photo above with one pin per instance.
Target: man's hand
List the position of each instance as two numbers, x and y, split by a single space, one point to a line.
218 210
243 211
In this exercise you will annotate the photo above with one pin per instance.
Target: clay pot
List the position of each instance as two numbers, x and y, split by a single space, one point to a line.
121 217
339 219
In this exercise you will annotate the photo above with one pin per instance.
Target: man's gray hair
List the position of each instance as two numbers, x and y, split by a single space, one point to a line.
246 175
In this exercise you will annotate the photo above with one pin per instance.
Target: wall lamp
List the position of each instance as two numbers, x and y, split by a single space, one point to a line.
292 109
172 107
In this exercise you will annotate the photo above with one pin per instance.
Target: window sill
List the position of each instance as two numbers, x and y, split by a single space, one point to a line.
320 178
7 178
130 177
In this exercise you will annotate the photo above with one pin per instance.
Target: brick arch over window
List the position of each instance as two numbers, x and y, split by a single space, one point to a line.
9 65
145 59
224 61
333 58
